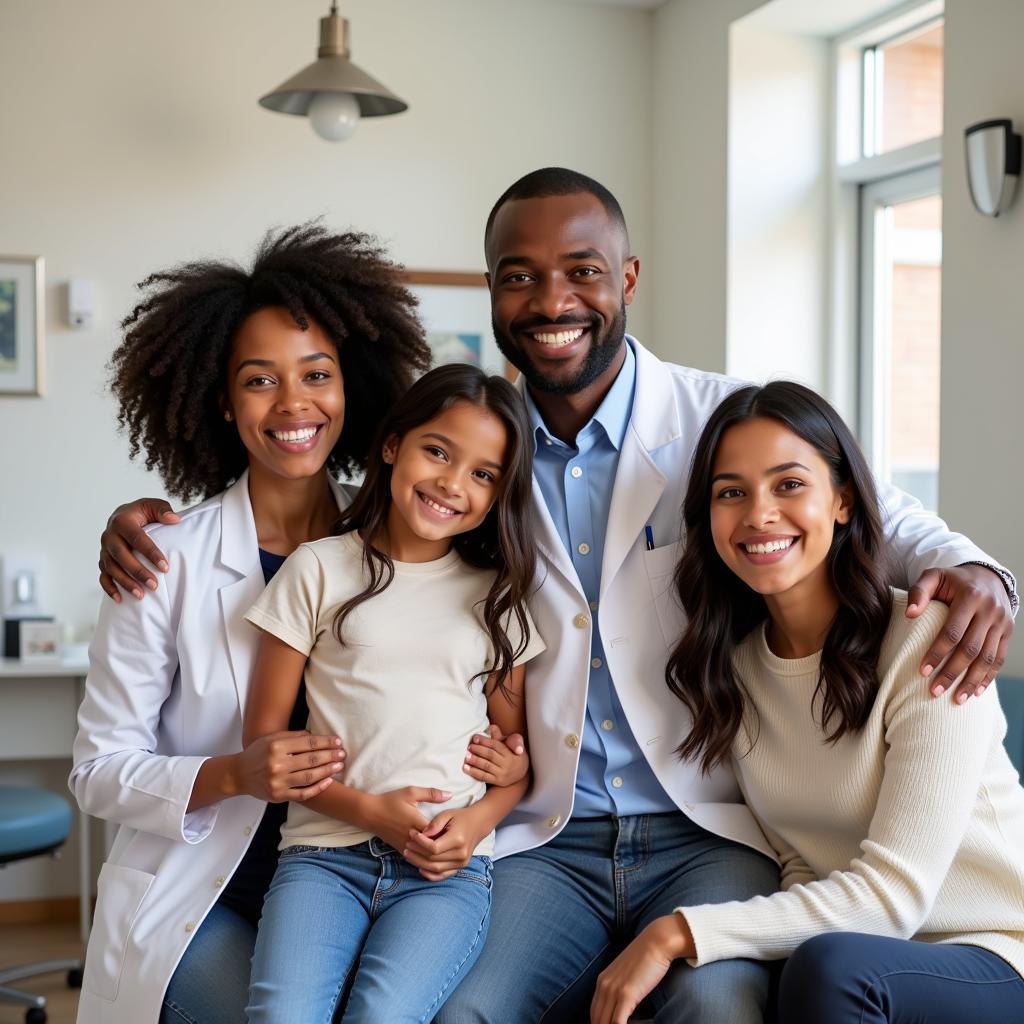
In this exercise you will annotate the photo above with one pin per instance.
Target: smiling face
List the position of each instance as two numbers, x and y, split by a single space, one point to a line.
774 507
560 278
285 394
445 477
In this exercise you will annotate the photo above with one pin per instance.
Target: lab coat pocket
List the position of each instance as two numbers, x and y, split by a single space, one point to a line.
660 564
119 894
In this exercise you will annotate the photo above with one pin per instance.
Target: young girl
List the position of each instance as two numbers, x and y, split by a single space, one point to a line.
247 388
410 627
894 818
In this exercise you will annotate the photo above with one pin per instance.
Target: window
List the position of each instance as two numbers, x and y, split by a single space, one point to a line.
889 127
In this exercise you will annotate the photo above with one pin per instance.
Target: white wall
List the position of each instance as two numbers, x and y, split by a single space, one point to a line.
777 217
685 269
132 140
982 476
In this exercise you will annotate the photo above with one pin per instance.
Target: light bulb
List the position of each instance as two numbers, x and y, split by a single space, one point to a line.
334 115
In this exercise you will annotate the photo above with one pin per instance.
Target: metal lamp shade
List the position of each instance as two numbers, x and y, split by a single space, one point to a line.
333 74
993 153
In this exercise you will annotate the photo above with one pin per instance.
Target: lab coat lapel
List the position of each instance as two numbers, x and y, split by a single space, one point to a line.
639 483
240 552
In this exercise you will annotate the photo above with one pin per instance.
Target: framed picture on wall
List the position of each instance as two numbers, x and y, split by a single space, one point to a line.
456 311
21 325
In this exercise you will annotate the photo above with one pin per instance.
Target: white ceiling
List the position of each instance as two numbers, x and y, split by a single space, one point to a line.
643 4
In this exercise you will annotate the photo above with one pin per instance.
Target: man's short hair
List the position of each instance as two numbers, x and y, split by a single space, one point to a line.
558 181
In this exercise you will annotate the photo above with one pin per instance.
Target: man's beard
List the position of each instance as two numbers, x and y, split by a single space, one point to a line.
600 356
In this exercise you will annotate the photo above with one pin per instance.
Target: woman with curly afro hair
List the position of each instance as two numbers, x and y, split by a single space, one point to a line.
252 390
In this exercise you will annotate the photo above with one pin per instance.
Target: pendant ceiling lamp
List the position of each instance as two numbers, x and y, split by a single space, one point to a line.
333 92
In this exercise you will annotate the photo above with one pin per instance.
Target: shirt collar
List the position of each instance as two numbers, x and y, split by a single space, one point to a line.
612 414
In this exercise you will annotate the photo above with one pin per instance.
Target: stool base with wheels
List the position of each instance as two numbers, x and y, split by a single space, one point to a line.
33 823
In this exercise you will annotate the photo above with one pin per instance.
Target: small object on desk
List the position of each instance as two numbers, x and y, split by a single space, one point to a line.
13 634
39 641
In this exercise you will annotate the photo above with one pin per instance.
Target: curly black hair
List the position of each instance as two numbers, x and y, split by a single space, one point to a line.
168 373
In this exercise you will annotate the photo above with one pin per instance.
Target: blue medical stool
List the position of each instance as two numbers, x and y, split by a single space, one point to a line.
33 822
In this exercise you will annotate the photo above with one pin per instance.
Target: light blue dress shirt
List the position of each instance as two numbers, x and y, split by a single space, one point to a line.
613 776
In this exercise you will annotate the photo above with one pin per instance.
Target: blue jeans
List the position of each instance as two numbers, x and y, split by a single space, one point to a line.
847 978
565 909
359 926
211 982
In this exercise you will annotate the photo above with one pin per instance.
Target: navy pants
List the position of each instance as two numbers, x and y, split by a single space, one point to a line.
847 978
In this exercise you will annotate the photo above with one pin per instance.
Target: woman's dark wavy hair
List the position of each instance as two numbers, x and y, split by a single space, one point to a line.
504 541
721 609
168 373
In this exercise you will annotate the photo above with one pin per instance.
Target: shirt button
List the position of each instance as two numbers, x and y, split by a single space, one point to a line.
218 881
580 622
593 604
584 548
191 926
572 740
617 782
553 821
576 472
548 441
596 663
608 725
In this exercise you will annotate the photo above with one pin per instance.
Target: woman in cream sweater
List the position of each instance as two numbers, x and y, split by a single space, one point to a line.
897 818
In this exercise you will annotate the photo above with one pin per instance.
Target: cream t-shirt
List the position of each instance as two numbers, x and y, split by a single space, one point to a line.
401 692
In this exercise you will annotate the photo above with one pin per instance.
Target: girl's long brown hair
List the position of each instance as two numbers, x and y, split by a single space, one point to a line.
721 609
504 541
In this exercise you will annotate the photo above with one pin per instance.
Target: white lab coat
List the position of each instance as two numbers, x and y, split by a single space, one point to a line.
166 688
640 617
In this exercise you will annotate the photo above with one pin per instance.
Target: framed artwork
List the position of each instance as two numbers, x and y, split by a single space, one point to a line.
21 325
456 311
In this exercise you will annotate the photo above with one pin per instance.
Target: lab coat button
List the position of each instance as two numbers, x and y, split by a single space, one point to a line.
572 740
553 821
218 881
581 621
247 831
190 926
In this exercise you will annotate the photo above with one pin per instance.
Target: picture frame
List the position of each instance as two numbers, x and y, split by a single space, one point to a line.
40 642
455 308
22 325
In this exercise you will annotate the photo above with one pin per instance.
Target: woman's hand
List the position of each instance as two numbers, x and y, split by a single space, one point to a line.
634 973
123 537
446 844
497 759
392 816
288 766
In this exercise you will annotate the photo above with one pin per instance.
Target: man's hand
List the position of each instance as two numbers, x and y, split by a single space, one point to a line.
123 537
288 766
976 633
446 844
497 759
393 816
624 984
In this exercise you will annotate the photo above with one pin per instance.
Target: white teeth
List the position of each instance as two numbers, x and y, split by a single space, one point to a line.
445 511
294 435
767 549
559 338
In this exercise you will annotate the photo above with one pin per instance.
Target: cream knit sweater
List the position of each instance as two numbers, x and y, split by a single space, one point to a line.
912 827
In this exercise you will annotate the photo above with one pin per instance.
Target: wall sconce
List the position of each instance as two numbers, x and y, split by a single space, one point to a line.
332 91
993 164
